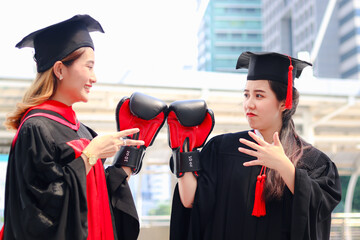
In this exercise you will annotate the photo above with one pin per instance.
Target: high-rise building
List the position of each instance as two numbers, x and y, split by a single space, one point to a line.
290 27
228 27
349 32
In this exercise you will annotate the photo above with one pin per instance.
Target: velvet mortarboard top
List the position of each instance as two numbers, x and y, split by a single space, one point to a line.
273 66
270 66
55 42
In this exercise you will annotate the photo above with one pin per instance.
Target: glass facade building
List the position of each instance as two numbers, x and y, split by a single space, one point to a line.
349 38
228 28
292 26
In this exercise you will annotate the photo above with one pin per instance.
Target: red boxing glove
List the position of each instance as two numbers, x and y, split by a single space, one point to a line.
139 111
190 123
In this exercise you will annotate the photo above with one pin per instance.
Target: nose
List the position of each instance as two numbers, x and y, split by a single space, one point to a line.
93 78
249 103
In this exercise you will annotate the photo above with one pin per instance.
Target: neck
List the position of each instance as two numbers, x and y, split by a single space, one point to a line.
56 97
268 134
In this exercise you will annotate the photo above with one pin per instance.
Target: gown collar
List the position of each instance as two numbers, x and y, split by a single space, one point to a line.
64 110
257 132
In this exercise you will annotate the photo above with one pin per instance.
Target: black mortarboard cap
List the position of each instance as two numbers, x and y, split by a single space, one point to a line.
55 42
272 66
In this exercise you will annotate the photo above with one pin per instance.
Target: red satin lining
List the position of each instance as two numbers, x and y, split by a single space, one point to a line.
64 110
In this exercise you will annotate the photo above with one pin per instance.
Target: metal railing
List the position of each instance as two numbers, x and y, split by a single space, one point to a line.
345 226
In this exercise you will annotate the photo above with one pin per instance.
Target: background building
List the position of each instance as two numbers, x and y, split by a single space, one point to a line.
227 29
291 27
349 31
230 27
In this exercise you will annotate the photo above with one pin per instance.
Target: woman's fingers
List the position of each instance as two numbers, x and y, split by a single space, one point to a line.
258 139
253 163
131 142
248 151
276 139
126 141
126 132
249 143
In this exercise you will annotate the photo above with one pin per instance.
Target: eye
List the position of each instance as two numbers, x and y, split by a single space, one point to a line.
259 95
246 95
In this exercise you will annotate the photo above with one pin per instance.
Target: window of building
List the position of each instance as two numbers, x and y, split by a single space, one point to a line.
221 35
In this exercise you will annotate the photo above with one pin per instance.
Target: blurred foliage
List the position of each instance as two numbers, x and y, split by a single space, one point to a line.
356 200
161 209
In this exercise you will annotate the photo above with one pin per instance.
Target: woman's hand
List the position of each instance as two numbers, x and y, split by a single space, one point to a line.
270 155
107 145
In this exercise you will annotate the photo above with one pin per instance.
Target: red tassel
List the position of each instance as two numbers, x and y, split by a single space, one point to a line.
288 102
259 209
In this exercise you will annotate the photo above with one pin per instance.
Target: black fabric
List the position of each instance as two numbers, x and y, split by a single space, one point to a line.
55 42
225 196
124 212
270 66
45 194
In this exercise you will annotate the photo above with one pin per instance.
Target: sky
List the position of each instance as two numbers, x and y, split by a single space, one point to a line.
140 35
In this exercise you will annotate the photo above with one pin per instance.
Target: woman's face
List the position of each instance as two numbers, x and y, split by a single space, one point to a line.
78 78
262 109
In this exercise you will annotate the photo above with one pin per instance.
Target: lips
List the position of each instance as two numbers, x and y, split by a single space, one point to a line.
250 114
87 88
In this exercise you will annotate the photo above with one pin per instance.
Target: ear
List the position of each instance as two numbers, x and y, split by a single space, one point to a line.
58 69
282 106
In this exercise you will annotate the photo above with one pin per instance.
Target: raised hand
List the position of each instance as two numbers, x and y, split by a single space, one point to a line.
270 155
107 145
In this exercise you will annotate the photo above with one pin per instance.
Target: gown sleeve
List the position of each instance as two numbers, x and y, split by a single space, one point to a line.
190 223
124 214
317 192
123 206
48 193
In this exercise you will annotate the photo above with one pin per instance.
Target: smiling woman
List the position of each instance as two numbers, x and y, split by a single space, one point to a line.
76 76
56 186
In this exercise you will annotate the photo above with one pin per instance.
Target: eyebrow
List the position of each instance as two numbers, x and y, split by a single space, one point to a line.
257 90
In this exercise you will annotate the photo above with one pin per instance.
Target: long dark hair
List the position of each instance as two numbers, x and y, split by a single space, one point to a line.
290 140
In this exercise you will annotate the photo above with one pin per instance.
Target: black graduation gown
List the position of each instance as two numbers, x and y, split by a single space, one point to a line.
225 194
45 195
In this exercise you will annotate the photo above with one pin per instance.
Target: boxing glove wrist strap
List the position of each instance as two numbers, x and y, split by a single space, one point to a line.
186 162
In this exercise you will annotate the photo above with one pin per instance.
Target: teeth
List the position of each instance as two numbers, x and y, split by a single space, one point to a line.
87 87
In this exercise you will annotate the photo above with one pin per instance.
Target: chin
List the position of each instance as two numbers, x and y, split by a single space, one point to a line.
84 98
252 125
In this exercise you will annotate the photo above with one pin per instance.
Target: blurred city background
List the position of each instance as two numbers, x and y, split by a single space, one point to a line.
177 50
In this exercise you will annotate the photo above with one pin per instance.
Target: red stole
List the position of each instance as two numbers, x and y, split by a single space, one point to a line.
99 218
